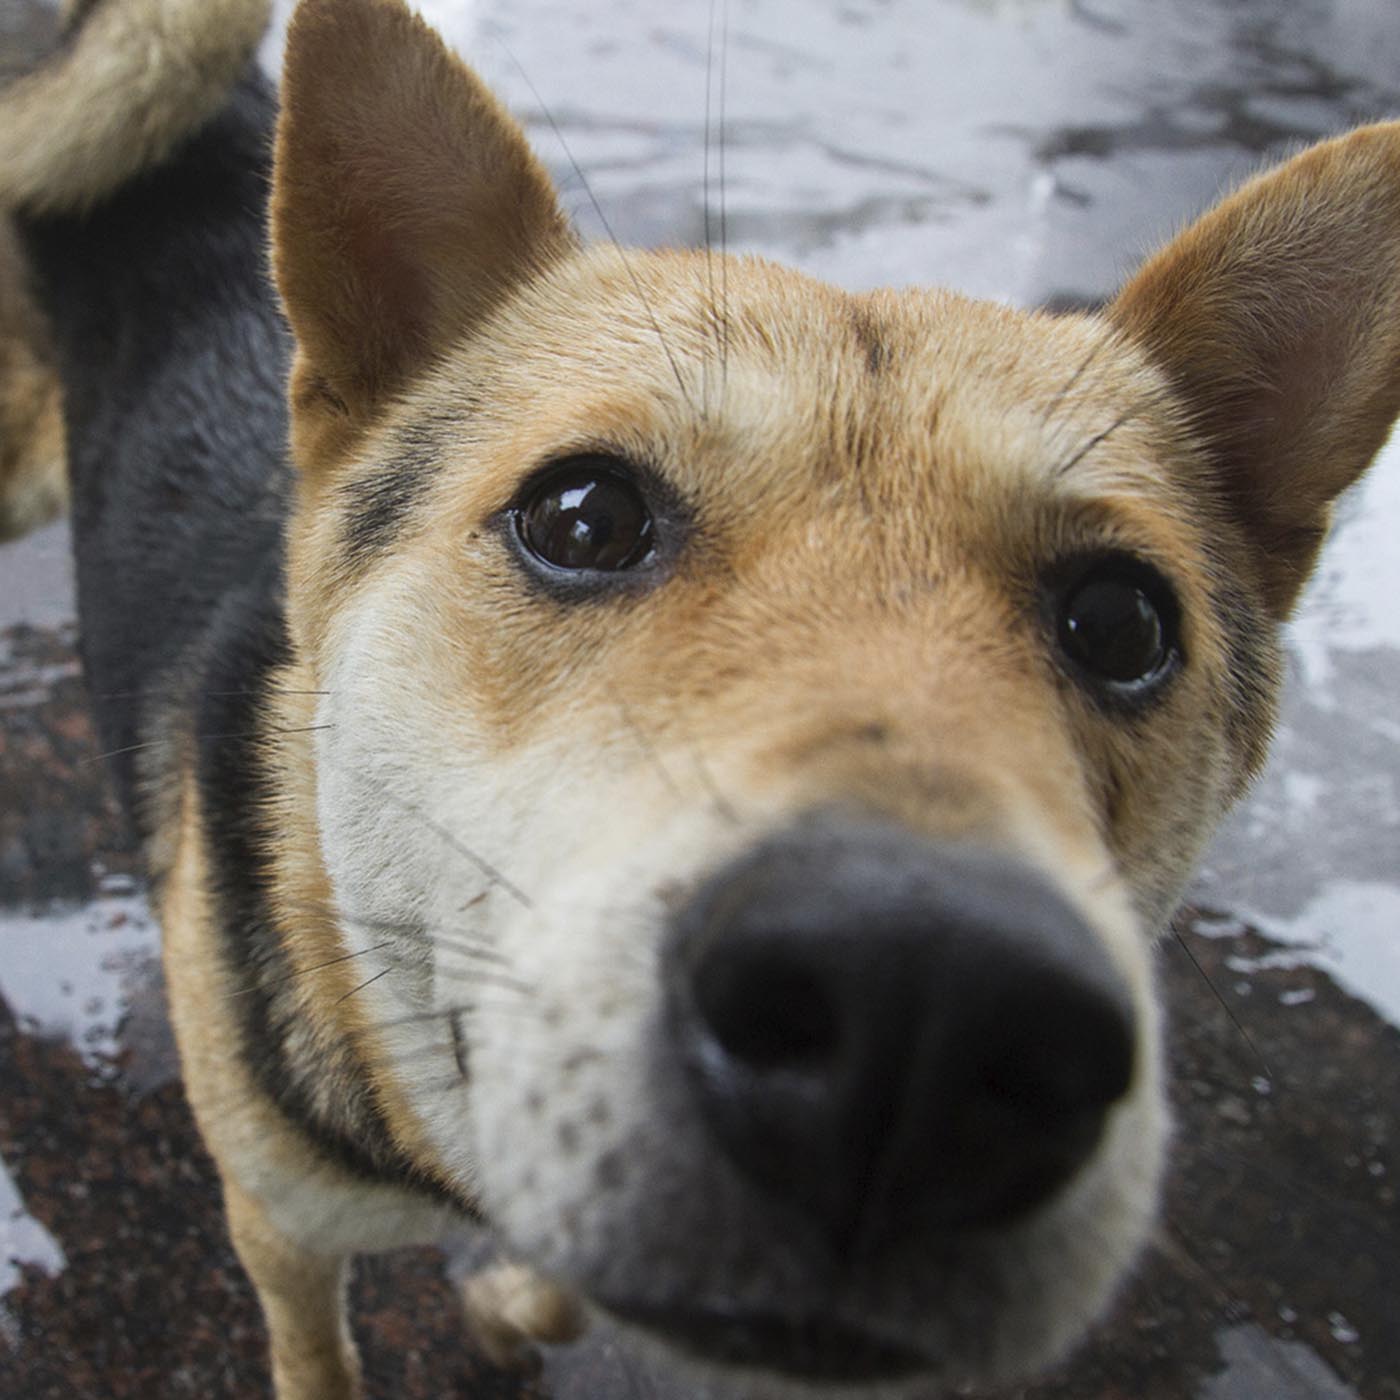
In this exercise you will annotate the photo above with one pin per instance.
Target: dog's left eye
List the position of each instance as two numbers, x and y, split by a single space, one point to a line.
1117 623
584 515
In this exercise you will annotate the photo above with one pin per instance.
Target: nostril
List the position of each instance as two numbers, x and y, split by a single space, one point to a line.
767 1010
890 1036
1070 1051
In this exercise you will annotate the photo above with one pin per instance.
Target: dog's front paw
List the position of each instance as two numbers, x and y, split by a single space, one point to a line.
509 1308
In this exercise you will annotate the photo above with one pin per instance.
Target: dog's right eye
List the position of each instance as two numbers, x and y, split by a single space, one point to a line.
585 516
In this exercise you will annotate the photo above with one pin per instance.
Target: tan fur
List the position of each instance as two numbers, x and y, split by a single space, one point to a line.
1278 317
509 1309
278 1192
33 481
827 637
136 78
432 233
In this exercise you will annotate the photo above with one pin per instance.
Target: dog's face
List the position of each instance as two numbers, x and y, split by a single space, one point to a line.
771 725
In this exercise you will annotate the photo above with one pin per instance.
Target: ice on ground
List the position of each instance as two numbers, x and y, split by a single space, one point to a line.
70 971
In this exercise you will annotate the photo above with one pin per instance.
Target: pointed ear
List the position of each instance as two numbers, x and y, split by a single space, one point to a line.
1277 316
406 206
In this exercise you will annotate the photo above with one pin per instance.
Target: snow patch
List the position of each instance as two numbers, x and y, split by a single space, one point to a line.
23 1240
68 971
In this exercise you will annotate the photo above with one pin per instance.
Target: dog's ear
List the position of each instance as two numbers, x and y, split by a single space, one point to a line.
406 206
1277 317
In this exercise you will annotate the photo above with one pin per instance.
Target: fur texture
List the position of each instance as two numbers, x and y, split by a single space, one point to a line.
433 818
33 482
129 82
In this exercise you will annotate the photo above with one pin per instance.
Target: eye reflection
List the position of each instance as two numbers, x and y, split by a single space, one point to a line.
586 516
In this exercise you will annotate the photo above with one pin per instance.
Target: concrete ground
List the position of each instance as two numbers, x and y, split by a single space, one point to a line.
1025 149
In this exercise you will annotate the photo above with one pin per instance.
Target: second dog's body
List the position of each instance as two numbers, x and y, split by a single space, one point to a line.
686 767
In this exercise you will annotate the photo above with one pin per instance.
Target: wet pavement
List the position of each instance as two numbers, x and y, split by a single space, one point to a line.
1023 149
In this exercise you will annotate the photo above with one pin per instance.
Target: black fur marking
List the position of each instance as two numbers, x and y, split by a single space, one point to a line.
379 506
867 332
250 644
174 357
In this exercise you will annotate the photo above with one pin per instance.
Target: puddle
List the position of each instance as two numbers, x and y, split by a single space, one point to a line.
1258 1365
74 972
23 1240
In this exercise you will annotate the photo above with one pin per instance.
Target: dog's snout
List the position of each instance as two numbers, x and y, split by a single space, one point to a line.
887 1034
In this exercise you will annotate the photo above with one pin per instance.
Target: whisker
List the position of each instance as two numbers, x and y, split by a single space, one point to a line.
649 749
1228 1009
723 208
1074 379
368 982
709 237
205 739
176 693
503 980
306 971
418 1017
444 934
1065 468
602 218
461 1008
491 872
718 800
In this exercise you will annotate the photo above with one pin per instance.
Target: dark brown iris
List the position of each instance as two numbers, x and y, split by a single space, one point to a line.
586 516
1111 626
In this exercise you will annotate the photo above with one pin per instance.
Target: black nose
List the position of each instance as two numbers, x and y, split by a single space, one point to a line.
888 1034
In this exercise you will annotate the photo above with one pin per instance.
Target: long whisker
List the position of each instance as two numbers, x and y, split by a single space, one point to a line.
306 971
1074 379
206 739
723 207
369 981
489 870
709 235
177 693
444 935
649 749
718 800
1228 1009
479 978
1066 467
515 1005
603 219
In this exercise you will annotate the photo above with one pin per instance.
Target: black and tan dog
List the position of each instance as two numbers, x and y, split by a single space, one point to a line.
685 765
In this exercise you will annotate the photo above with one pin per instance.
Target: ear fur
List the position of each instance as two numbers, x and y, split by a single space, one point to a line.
1277 317
406 205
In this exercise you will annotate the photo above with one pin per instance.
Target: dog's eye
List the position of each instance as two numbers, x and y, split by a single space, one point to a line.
1117 622
584 515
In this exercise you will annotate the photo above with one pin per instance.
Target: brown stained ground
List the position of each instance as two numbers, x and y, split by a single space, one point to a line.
1280 1242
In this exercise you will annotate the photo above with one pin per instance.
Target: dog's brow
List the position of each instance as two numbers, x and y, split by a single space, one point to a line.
1063 470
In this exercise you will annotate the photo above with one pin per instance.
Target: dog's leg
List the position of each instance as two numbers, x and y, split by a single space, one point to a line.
509 1308
303 1302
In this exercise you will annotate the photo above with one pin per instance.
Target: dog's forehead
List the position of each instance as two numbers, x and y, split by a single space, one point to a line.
741 379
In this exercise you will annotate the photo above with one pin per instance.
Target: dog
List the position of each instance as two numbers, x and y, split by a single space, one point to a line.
677 761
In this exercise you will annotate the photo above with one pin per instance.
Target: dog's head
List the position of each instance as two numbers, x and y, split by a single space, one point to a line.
776 721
